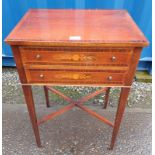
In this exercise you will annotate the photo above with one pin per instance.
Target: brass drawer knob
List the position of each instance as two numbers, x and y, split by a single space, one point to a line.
113 58
41 75
38 56
110 78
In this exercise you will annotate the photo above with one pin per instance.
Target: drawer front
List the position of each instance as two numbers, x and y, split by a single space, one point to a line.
74 77
84 57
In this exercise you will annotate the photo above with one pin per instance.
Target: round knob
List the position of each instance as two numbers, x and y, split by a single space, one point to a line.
110 78
113 58
41 75
38 56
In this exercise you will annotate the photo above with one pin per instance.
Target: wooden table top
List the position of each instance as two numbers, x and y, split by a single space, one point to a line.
53 27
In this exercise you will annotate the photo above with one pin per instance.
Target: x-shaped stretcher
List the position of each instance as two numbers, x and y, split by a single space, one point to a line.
79 103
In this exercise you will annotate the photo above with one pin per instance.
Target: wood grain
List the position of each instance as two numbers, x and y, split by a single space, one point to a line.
78 67
86 56
51 27
31 109
119 115
74 77
133 65
19 63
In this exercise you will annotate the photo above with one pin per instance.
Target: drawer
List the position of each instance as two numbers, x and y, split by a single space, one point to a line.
76 56
74 77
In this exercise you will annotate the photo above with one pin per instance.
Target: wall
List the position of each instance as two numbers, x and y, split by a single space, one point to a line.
140 10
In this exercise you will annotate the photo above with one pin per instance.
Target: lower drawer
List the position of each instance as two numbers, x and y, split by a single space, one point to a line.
74 77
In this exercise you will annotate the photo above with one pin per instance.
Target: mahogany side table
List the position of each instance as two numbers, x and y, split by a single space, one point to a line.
76 47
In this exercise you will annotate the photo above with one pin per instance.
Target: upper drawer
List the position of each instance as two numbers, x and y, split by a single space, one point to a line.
76 56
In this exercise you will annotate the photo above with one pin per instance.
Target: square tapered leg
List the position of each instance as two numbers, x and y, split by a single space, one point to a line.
120 110
31 109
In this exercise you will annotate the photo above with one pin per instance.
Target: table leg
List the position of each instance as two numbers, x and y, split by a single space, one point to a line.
31 108
46 96
106 98
119 114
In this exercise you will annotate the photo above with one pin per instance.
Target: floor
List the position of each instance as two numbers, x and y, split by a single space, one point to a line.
75 132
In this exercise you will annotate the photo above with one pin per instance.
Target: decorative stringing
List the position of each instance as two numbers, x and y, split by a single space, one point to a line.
82 70
77 82
80 49
79 64
81 41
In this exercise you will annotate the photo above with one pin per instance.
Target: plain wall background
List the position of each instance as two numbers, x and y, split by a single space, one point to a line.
140 10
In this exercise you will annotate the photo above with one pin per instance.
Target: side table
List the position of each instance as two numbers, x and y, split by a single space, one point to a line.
76 47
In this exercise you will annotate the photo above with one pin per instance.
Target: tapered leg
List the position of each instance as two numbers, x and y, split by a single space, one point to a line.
120 110
31 108
46 96
106 98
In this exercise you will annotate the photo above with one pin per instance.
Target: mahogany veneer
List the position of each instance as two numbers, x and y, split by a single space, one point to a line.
84 56
76 47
